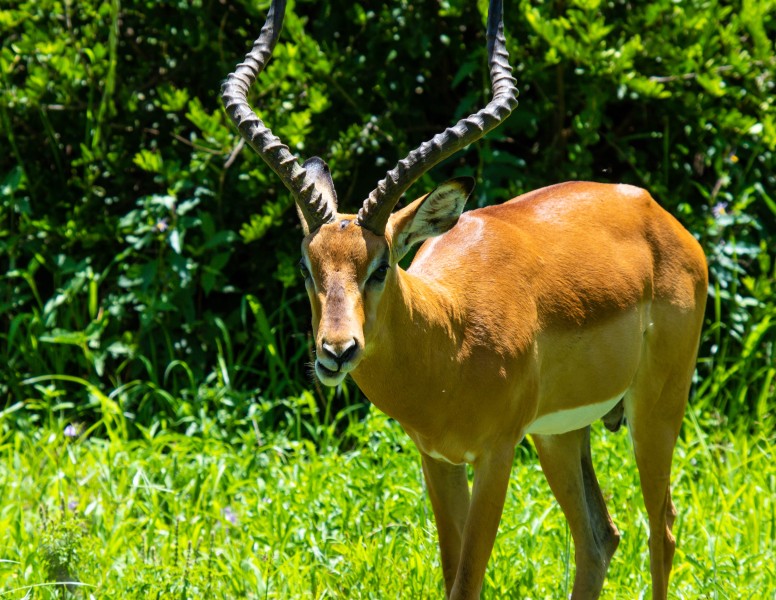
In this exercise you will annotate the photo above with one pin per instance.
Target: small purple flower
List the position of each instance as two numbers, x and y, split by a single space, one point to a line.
162 225
230 515
72 505
71 431
719 209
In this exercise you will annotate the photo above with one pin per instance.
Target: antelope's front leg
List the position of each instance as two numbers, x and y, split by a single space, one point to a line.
491 479
448 489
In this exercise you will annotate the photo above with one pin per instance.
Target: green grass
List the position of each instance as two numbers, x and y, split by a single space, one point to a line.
264 516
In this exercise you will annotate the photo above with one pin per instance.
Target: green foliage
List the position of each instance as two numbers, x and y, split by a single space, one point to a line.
148 255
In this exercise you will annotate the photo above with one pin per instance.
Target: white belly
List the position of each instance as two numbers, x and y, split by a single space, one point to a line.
570 419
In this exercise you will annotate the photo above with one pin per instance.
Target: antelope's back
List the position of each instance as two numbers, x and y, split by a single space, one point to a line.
572 253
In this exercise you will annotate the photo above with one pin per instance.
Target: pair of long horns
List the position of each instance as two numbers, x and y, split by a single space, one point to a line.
376 209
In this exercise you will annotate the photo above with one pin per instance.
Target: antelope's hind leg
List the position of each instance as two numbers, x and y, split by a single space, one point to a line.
568 467
654 433
654 410
654 421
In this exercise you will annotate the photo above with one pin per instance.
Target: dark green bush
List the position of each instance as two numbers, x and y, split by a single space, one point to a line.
147 254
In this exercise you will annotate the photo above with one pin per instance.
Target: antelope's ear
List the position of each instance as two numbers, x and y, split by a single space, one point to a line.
429 216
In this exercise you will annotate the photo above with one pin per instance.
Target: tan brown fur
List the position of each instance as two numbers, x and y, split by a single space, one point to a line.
574 295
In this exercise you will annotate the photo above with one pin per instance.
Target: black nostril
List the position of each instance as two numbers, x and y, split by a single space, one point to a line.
348 352
340 355
329 351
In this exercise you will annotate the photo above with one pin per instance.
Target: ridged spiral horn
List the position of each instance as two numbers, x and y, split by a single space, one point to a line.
313 207
378 206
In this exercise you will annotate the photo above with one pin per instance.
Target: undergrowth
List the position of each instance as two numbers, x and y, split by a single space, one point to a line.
269 516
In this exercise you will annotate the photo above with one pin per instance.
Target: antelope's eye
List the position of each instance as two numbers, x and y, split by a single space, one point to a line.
378 275
304 270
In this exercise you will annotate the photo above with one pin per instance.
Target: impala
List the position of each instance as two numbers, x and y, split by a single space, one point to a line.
572 303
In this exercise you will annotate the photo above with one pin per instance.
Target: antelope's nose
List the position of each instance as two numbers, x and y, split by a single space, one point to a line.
340 353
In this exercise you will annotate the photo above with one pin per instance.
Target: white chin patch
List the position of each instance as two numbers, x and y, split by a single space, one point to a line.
327 377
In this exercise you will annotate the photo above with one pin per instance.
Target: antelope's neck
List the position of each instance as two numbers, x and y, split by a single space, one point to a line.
411 357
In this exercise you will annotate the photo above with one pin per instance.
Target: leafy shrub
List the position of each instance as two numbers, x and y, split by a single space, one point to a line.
148 255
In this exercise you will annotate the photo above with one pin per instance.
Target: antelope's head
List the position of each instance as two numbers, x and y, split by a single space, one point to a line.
348 261
348 267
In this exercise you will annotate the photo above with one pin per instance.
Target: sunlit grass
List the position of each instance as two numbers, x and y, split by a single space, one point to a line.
178 516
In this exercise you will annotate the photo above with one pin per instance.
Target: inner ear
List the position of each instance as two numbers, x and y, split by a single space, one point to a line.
429 216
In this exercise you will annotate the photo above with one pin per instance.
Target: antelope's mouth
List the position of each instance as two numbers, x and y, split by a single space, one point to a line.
329 377
319 367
